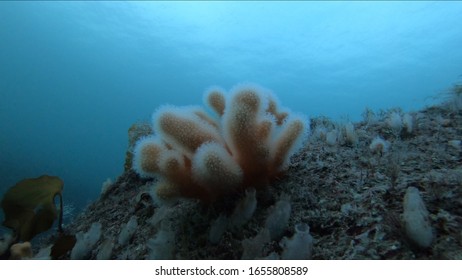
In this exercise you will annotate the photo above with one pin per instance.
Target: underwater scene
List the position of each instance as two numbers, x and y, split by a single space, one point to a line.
230 130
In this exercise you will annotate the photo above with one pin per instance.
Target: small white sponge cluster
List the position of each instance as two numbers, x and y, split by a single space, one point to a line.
245 145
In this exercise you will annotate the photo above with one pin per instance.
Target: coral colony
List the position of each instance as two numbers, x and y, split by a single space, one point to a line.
245 145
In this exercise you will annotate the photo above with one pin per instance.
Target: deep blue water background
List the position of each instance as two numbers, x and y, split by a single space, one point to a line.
75 75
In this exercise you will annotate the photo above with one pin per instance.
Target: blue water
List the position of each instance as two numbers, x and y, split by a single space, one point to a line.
75 75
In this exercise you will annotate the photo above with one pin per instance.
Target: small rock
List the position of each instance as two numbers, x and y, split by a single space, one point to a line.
457 144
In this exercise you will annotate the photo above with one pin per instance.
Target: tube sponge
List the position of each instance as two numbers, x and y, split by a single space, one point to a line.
300 246
246 145
86 242
278 217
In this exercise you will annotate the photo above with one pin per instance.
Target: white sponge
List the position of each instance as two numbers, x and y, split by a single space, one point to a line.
300 246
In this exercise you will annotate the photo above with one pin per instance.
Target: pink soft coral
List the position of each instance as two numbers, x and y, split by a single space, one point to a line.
197 155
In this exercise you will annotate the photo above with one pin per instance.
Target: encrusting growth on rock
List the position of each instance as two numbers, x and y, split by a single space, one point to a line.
246 145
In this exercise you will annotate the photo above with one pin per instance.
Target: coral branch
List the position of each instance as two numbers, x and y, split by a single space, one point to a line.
214 168
184 129
215 99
